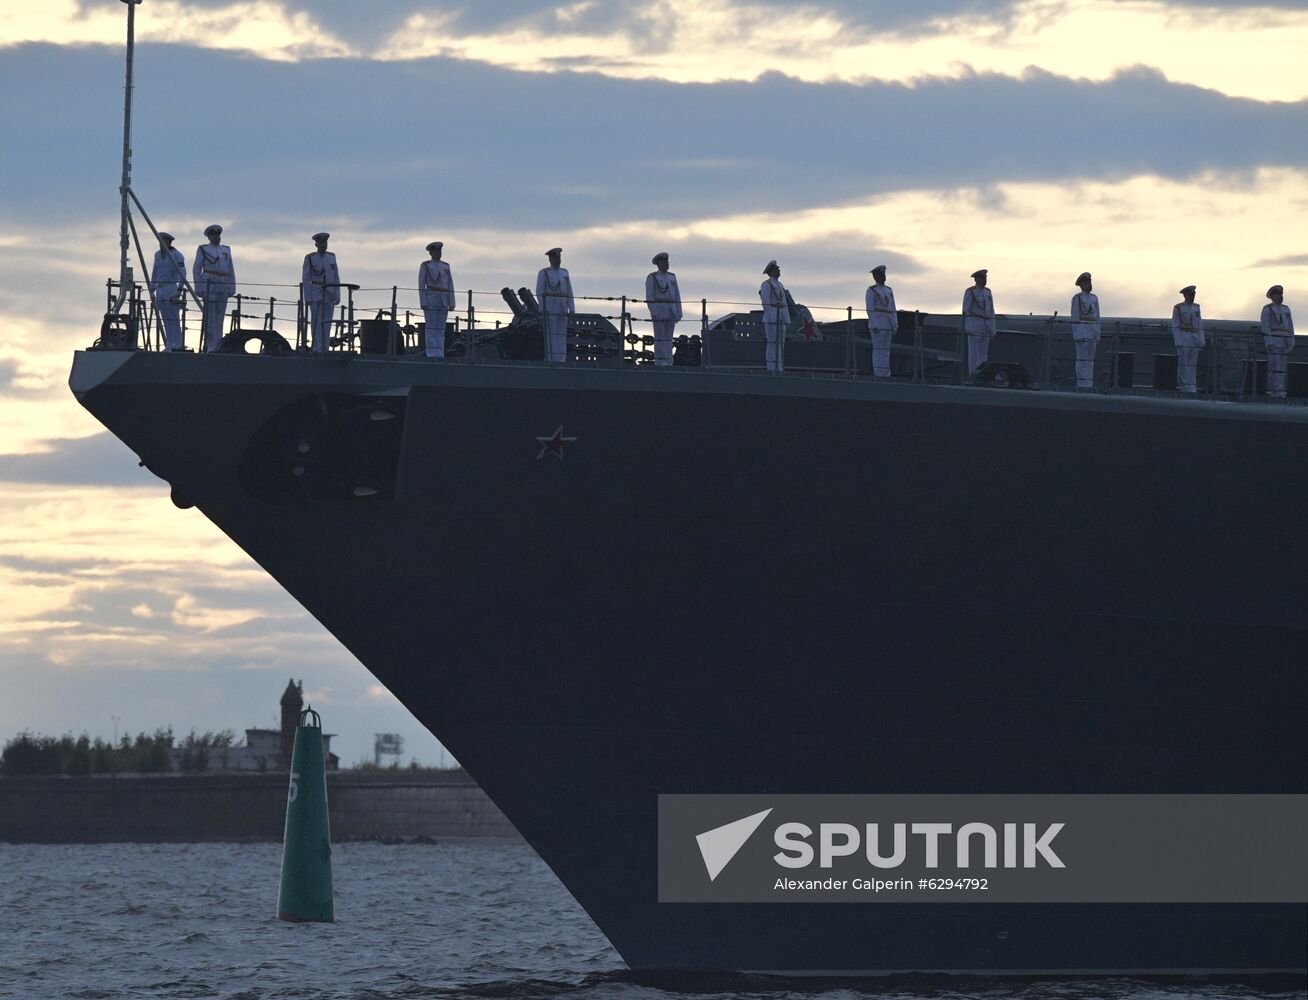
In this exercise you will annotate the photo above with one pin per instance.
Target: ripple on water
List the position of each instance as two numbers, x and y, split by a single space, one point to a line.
416 922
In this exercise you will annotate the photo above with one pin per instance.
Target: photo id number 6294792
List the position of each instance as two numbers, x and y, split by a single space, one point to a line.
965 884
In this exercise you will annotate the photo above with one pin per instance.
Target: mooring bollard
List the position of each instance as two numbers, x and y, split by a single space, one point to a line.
306 890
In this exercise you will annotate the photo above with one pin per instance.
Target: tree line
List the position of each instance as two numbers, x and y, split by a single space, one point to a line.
31 754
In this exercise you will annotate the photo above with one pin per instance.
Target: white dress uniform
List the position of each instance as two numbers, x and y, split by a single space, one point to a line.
1188 336
882 322
776 318
318 277
213 274
978 324
436 293
554 293
664 300
1278 339
166 276
1085 336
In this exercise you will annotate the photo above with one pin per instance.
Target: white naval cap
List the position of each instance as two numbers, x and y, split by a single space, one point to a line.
1275 290
979 273
1187 288
1083 277
770 265
661 255
215 228
558 250
434 245
165 236
321 236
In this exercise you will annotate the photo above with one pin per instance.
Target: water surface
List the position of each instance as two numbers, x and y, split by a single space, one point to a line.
471 920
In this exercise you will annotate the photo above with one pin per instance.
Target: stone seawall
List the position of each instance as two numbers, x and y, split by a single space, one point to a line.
248 807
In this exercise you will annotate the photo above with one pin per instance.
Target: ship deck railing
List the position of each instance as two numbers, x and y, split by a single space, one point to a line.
1134 356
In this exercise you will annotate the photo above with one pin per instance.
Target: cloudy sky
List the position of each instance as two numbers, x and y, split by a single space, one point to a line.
1153 142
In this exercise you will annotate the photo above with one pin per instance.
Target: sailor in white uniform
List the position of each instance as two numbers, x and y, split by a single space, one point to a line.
882 320
554 295
776 317
1278 339
436 293
664 300
166 276
320 287
1188 336
978 320
213 274
1085 331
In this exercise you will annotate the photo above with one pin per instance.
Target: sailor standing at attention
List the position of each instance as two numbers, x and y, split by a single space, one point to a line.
167 276
978 320
1278 339
664 300
1085 331
436 293
882 320
214 276
1188 336
776 316
320 287
554 294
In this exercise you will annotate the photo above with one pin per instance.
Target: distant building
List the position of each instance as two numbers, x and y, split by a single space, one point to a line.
270 749
292 705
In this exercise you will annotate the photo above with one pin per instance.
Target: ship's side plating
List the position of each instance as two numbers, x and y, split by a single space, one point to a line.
736 584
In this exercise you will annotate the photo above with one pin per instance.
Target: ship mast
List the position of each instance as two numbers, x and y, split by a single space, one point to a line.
124 189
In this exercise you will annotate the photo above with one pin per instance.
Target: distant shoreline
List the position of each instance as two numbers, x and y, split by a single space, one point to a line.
389 806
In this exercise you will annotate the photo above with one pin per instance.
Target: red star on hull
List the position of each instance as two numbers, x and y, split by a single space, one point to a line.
553 445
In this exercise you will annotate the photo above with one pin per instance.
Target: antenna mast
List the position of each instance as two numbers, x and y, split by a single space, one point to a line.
125 269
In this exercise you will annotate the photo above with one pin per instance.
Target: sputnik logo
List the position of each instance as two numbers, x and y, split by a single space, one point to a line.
718 846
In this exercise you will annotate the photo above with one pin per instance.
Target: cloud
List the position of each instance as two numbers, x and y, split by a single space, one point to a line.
271 29
23 372
1288 260
366 26
1237 53
9 373
609 149
1242 49
118 604
651 25
190 613
99 459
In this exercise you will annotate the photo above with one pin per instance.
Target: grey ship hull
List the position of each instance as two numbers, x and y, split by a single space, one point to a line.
743 584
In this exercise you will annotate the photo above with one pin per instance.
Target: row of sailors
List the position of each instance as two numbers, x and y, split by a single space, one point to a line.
1278 333
213 276
214 279
1187 327
554 293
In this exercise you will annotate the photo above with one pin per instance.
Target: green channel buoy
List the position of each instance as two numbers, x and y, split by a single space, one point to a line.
306 891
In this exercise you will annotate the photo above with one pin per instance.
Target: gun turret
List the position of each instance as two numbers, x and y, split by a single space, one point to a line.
529 301
514 305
